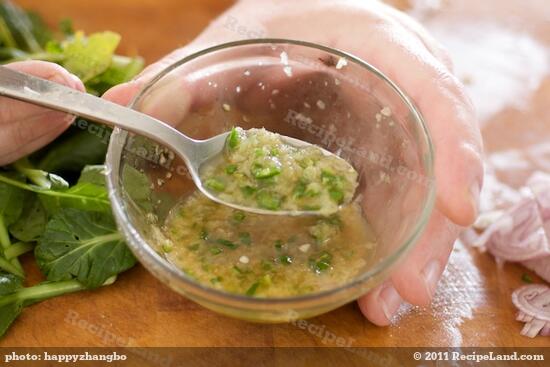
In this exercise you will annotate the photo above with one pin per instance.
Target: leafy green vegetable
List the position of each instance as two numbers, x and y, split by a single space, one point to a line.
121 70
82 245
9 284
18 249
40 178
78 245
20 27
66 27
13 298
87 57
83 144
9 267
93 175
138 187
32 222
84 196
10 211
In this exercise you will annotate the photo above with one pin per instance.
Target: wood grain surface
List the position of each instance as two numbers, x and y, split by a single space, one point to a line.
472 306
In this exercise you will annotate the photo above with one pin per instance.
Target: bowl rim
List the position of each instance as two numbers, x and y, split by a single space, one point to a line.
140 247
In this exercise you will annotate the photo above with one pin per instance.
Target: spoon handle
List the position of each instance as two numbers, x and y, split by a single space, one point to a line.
55 96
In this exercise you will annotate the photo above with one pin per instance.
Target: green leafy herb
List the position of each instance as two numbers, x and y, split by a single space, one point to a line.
82 245
84 143
66 27
38 177
13 298
87 57
11 198
84 195
138 187
79 246
32 222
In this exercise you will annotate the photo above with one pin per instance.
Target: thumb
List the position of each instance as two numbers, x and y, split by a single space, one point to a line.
24 127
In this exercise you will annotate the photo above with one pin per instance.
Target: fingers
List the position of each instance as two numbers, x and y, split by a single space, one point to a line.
431 44
381 304
24 127
449 115
415 279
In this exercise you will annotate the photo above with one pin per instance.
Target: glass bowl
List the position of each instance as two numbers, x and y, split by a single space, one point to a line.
299 89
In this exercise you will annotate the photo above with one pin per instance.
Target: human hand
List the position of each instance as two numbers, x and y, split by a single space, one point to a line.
24 127
407 54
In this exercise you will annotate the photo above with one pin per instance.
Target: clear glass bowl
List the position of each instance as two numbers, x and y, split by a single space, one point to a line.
298 89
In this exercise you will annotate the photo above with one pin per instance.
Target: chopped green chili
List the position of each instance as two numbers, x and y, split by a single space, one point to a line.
214 184
233 139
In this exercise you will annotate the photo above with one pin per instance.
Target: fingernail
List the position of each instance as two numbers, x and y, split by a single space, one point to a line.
431 274
66 79
75 81
390 301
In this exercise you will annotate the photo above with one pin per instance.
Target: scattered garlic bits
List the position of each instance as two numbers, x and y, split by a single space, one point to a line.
257 169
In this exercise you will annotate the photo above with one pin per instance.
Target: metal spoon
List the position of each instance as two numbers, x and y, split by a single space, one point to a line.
41 92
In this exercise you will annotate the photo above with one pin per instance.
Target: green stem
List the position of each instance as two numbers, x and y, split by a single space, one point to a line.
6 36
42 292
10 268
47 290
40 191
4 235
5 242
35 176
17 250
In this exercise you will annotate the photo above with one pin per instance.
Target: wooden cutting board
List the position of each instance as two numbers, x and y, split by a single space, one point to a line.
471 308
